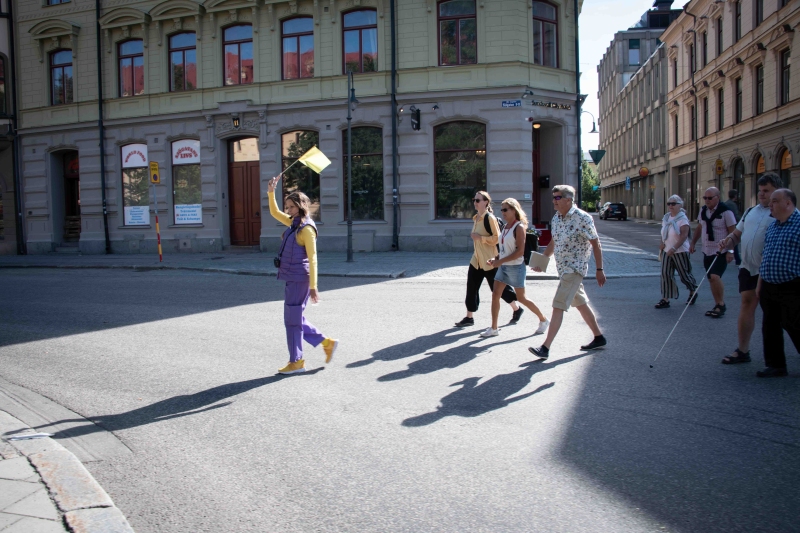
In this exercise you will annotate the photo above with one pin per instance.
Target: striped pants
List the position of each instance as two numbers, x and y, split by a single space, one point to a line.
682 263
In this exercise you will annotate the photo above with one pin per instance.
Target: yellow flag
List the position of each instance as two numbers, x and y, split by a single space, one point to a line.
315 160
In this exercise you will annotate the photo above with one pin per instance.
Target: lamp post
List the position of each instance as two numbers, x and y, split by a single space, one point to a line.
351 106
594 121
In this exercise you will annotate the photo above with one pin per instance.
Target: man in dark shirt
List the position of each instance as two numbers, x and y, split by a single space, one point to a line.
779 285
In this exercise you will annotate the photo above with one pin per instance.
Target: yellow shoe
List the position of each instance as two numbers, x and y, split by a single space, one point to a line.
329 345
294 368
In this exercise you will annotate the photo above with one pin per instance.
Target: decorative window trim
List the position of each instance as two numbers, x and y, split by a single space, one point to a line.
54 30
176 11
232 7
123 18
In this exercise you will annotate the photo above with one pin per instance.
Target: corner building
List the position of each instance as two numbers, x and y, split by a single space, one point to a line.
225 94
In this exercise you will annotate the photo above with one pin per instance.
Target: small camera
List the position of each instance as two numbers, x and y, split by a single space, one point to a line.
277 262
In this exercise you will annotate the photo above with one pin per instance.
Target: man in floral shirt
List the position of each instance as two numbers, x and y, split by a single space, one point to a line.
574 238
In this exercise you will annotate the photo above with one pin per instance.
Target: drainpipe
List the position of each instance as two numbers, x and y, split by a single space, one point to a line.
578 105
696 112
101 127
15 145
395 183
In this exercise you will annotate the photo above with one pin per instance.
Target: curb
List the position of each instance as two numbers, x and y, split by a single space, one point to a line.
392 275
82 502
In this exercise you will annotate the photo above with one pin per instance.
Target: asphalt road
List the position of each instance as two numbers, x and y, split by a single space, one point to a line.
415 426
644 236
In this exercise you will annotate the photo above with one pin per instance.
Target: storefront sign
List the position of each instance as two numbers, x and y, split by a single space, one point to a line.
512 103
720 167
786 160
550 104
760 166
137 215
134 155
186 152
189 214
644 172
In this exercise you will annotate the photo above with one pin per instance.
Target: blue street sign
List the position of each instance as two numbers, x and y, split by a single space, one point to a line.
512 103
627 183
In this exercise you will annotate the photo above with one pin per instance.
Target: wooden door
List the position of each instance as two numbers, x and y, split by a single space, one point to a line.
537 187
72 198
244 193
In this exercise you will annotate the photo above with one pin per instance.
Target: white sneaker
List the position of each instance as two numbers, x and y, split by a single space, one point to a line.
542 327
489 332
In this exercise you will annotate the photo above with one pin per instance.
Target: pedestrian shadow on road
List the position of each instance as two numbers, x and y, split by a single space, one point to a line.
415 346
175 407
450 358
495 393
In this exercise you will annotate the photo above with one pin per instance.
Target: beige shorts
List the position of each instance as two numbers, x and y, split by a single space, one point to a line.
570 292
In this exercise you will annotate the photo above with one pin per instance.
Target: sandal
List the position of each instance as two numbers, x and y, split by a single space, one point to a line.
692 298
737 356
718 311
663 304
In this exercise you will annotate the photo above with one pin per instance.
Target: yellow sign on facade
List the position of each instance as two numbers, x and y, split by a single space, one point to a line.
155 177
786 160
760 166
720 167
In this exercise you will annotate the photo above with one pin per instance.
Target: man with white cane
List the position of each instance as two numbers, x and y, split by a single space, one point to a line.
716 221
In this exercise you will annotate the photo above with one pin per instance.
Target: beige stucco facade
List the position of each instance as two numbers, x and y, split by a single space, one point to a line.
271 106
745 134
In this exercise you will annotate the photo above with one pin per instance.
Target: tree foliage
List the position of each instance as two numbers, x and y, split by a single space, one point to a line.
590 197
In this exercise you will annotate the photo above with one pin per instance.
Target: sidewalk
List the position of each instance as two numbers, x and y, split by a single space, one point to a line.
44 488
620 260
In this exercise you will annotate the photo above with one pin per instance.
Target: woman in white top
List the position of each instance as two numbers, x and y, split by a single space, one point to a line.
511 266
674 253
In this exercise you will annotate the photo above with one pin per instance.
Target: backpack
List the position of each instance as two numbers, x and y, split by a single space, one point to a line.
488 226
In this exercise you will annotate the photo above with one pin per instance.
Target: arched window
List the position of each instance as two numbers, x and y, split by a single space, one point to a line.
458 33
360 41
238 52
131 68
460 165
183 62
187 195
760 166
60 77
135 185
545 34
300 177
785 168
298 48
367 175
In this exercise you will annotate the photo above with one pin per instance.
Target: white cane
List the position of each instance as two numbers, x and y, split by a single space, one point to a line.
685 308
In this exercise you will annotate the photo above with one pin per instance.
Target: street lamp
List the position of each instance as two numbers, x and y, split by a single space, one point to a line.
351 106
594 126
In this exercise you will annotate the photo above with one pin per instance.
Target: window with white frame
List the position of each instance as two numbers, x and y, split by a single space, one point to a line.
187 195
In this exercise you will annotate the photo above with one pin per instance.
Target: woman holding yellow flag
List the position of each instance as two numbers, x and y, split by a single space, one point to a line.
297 266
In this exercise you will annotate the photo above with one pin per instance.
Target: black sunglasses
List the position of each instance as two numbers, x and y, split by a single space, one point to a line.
504 209
476 200
557 197
672 203
708 197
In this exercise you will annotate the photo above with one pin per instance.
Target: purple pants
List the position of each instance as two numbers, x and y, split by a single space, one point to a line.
297 328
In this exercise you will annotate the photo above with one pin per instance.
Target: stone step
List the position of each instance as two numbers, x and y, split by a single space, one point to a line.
67 250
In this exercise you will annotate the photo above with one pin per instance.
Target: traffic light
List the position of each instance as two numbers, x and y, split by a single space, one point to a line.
415 119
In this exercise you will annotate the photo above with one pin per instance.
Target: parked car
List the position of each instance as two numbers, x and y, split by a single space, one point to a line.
614 210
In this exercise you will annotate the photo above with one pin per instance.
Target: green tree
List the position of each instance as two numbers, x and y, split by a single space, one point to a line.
589 195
